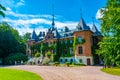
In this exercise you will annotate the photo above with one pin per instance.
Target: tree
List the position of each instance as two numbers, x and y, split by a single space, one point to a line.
10 41
18 57
2 8
26 37
110 27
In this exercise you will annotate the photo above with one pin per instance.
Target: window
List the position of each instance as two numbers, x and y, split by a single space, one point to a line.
71 50
79 38
48 37
54 42
71 60
65 51
61 41
80 60
28 46
61 60
47 43
65 41
80 50
66 60
50 43
71 41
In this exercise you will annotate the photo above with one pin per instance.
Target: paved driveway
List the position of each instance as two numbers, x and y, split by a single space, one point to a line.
68 73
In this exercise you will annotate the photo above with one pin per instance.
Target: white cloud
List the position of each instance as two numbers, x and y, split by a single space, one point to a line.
99 14
25 29
9 12
28 21
24 25
12 3
20 3
7 3
23 22
8 9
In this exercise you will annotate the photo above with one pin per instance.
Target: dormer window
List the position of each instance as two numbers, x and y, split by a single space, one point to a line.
79 38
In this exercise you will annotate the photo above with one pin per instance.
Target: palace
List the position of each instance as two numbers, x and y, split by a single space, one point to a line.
68 45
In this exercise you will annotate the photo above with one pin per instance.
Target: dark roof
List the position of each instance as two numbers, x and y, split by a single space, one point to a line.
34 36
56 34
95 30
82 25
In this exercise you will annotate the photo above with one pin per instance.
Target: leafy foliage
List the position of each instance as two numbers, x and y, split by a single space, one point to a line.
34 49
2 8
110 22
37 54
18 57
10 41
48 55
76 42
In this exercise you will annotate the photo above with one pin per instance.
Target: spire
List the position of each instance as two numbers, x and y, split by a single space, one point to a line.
81 13
93 20
53 23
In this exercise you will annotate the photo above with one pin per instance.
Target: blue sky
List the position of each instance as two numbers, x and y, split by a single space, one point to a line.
25 15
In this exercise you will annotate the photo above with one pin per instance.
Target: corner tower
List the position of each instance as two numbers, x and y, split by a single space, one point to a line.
83 50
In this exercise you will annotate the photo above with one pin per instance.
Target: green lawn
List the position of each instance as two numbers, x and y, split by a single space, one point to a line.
12 74
113 71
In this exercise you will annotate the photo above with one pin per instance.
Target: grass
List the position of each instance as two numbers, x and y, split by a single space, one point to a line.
12 74
113 71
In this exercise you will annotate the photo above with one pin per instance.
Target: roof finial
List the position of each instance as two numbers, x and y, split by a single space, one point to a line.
80 12
34 28
53 23
93 20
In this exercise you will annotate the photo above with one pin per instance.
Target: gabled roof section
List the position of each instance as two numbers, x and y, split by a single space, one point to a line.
82 25
34 36
95 30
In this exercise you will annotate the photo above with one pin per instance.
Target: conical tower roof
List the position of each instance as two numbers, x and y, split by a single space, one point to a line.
95 30
82 25
34 36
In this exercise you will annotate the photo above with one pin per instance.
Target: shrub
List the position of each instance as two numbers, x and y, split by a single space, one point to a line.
18 57
68 64
56 63
79 64
46 63
118 64
37 54
48 54
33 63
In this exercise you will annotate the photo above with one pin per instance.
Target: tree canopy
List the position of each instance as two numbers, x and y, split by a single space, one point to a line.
10 41
2 8
110 28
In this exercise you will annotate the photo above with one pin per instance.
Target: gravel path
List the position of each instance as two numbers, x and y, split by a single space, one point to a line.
68 73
